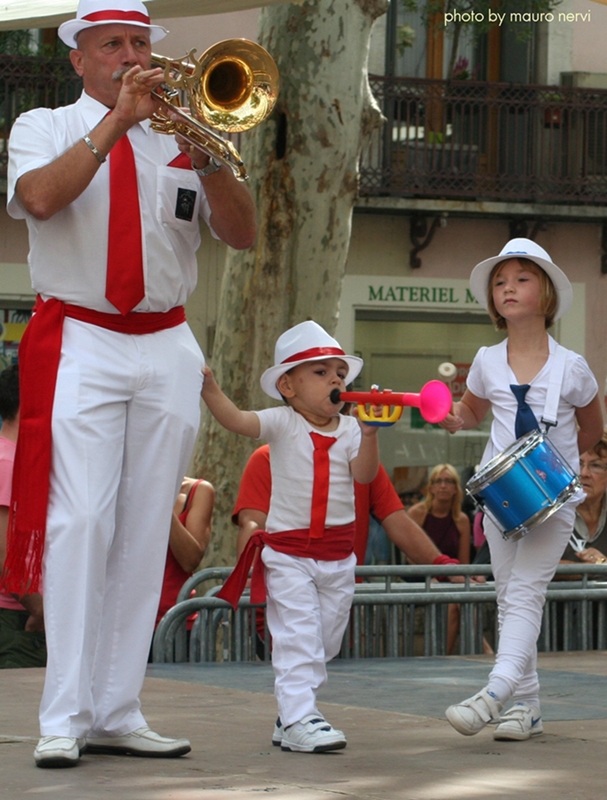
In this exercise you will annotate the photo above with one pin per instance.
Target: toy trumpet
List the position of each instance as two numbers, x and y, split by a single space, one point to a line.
434 402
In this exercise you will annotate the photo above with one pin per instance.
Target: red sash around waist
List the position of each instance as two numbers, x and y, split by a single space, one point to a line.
337 544
39 354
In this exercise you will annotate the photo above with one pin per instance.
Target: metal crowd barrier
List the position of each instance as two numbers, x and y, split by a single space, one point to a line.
397 611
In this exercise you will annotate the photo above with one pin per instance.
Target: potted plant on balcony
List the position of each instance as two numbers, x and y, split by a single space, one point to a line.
463 81
461 70
553 111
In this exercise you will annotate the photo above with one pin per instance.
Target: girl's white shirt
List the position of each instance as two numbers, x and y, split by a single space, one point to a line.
490 377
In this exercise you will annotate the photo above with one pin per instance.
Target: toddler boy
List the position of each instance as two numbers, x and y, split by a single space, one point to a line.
307 549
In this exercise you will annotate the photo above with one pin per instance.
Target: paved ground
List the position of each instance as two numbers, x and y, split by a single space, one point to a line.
399 745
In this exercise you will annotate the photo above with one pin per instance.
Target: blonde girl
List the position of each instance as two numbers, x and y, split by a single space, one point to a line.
524 292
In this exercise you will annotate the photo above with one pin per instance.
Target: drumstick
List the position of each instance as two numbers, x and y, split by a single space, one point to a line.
446 372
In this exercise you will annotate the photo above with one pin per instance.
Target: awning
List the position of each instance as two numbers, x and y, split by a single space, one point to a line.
15 14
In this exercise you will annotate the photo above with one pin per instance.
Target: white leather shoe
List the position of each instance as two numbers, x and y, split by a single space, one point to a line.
142 742
58 751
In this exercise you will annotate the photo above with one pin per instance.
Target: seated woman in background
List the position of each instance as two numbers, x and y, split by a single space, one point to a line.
588 542
440 513
188 540
441 517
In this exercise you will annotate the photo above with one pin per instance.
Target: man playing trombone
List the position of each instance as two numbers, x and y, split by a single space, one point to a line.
111 373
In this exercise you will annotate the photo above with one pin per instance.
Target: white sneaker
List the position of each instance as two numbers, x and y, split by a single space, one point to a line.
277 735
473 714
142 742
520 722
59 751
312 734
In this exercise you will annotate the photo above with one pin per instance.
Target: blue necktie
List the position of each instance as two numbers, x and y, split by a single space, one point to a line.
525 418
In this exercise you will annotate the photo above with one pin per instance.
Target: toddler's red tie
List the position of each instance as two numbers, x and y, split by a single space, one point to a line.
320 489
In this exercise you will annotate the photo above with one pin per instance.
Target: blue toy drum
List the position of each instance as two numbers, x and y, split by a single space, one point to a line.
524 485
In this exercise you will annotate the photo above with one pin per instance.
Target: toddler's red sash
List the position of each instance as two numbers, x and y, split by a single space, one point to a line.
337 543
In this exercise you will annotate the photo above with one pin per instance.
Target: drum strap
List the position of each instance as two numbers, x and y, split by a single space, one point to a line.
553 393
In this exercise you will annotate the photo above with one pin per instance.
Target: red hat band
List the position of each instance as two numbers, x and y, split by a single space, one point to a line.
314 352
126 16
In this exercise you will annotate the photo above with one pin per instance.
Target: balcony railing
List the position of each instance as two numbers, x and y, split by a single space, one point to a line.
28 82
487 141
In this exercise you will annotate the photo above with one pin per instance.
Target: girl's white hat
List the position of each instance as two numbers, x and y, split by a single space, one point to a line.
523 248
108 12
305 342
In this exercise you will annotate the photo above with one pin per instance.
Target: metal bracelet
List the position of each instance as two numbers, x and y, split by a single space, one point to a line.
93 149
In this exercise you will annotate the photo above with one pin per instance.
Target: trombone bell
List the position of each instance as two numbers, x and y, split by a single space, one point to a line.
232 87
227 84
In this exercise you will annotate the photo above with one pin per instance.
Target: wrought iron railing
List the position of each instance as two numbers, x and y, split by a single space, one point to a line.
28 82
491 141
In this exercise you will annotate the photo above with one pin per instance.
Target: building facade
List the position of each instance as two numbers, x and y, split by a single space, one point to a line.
504 137
501 138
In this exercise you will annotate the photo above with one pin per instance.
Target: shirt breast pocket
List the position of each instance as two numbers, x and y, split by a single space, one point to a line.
178 198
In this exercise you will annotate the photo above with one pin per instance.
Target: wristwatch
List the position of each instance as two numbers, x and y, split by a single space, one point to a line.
210 168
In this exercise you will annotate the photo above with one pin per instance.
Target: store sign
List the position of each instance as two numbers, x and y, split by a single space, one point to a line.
425 295
447 299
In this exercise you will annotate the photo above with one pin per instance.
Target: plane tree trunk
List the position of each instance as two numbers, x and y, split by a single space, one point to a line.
303 165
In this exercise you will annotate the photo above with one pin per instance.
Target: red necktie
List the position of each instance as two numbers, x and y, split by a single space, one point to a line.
320 489
124 286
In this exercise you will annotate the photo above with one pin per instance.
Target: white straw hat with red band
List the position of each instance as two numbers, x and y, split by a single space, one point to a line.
523 248
305 342
109 12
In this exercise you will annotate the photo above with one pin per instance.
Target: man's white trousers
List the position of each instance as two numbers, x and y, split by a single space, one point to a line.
125 419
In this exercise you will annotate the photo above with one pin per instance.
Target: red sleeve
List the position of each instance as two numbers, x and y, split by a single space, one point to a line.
378 498
256 484
362 493
384 499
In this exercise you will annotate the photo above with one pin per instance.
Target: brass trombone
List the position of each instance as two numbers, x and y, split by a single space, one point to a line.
232 87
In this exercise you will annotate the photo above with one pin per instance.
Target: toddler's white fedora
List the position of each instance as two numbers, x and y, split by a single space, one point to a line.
523 248
305 342
108 12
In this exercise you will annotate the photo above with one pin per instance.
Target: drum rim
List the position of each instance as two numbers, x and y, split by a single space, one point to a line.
496 467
